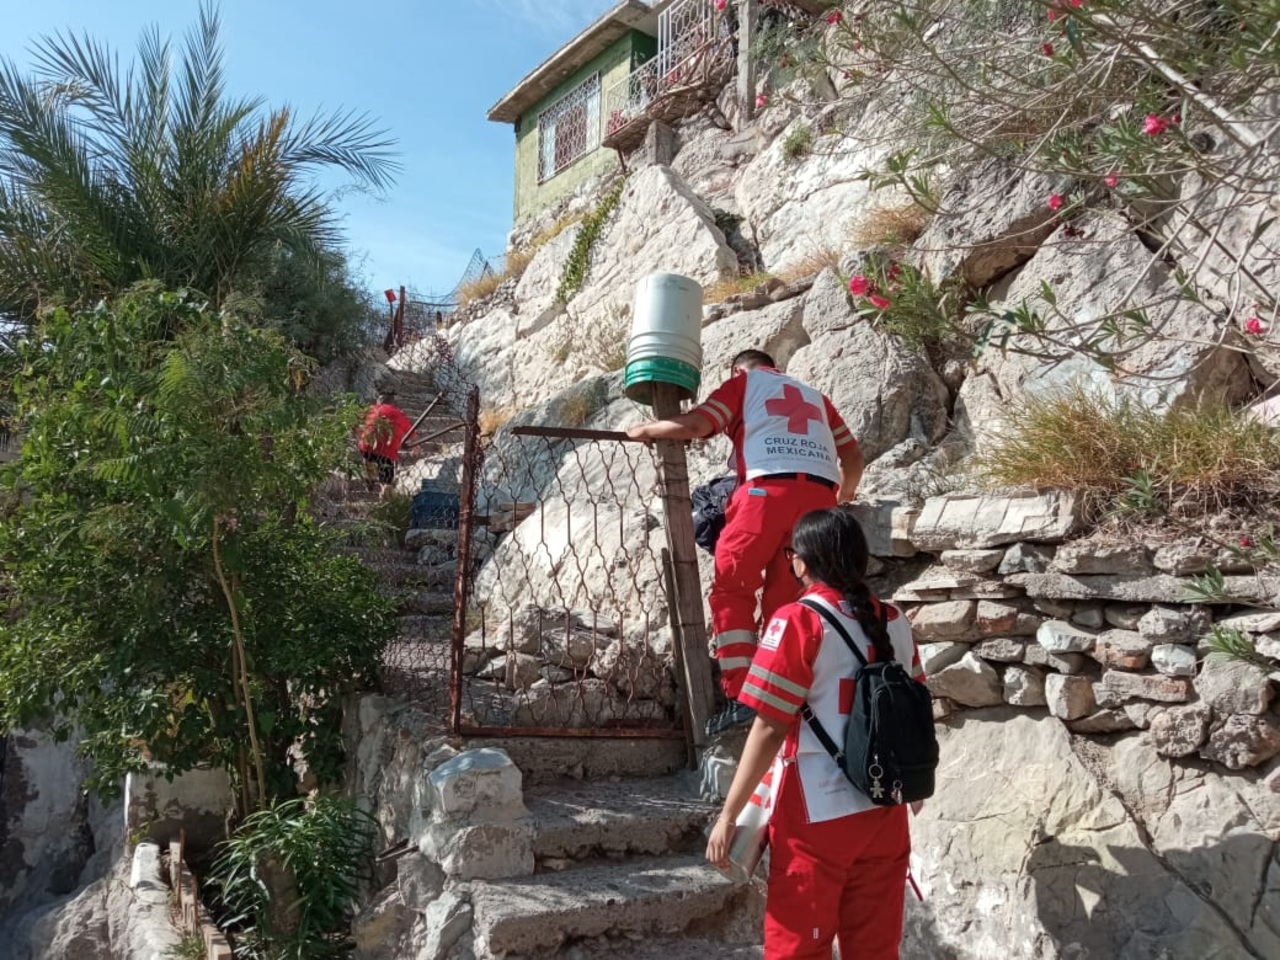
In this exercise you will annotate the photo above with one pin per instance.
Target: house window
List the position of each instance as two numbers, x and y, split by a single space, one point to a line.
569 128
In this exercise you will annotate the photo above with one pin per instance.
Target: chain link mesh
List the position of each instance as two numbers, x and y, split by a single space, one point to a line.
567 627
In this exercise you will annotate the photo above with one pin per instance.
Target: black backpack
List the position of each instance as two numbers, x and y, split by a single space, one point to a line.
890 747
709 503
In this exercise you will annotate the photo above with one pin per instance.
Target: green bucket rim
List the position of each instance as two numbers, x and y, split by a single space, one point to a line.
639 374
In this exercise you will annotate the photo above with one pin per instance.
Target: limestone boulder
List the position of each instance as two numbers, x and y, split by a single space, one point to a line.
799 207
777 329
952 620
972 561
1167 624
536 302
936 657
995 220
1180 731
1117 687
1007 618
1123 650
1069 698
1174 660
969 682
1102 270
1022 852
660 225
884 391
1087 557
1057 636
1231 687
953 522
1024 687
1239 742
1002 650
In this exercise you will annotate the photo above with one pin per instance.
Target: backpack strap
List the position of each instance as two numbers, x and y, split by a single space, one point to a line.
815 724
825 612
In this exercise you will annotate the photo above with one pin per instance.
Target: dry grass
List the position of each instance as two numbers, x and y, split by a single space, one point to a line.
1190 460
722 290
602 345
493 419
813 264
891 226
516 263
577 409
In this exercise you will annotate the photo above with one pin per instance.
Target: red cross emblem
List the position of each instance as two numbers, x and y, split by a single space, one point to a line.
795 408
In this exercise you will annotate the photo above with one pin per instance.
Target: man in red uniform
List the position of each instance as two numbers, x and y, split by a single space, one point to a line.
793 453
385 428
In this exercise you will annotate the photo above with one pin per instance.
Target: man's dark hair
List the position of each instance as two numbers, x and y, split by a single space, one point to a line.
757 357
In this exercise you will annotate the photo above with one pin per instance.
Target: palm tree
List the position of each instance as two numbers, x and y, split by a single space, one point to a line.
111 176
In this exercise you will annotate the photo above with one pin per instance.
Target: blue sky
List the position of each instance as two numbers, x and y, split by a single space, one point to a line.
427 69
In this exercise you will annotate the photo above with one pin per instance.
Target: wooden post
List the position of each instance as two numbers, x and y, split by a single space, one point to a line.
687 619
748 17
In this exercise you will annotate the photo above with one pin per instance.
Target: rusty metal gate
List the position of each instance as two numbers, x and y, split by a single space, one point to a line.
562 619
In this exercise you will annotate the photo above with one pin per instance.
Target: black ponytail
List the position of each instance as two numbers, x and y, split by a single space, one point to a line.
834 548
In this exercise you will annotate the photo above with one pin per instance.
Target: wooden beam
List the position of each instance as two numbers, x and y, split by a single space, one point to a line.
691 632
572 433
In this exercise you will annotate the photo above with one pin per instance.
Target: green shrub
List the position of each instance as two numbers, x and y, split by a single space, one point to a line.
798 143
290 875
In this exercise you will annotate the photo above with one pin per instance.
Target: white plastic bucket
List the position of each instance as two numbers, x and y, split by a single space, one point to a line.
667 320
666 337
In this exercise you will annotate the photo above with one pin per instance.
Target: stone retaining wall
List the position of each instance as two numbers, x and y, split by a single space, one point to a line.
1008 610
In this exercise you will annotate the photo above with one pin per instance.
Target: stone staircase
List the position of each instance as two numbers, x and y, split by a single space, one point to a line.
619 871
618 827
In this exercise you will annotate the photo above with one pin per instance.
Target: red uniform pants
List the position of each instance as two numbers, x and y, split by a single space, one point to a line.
757 525
842 879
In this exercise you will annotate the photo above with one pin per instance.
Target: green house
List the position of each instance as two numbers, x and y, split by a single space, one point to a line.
558 110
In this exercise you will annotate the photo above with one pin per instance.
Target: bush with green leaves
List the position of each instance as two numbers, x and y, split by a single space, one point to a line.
574 273
289 877
164 592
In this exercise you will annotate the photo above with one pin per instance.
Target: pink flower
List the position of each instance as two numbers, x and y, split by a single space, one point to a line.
879 302
895 271
1112 180
859 286
1254 326
1047 48
1077 3
1053 14
1246 541
1153 126
1055 201
721 4
761 100
835 16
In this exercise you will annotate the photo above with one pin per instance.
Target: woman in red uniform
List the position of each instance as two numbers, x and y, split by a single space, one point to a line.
838 863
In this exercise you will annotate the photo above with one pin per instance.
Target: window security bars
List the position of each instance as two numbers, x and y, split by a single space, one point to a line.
569 129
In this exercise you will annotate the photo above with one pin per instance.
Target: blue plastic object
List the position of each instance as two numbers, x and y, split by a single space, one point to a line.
433 510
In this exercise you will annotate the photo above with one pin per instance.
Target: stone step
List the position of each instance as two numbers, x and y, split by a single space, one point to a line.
435 603
658 948
535 915
546 761
437 628
575 820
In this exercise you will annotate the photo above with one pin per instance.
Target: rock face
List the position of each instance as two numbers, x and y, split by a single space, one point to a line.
1024 854
660 225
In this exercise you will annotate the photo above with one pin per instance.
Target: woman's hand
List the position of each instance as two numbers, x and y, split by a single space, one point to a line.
720 841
